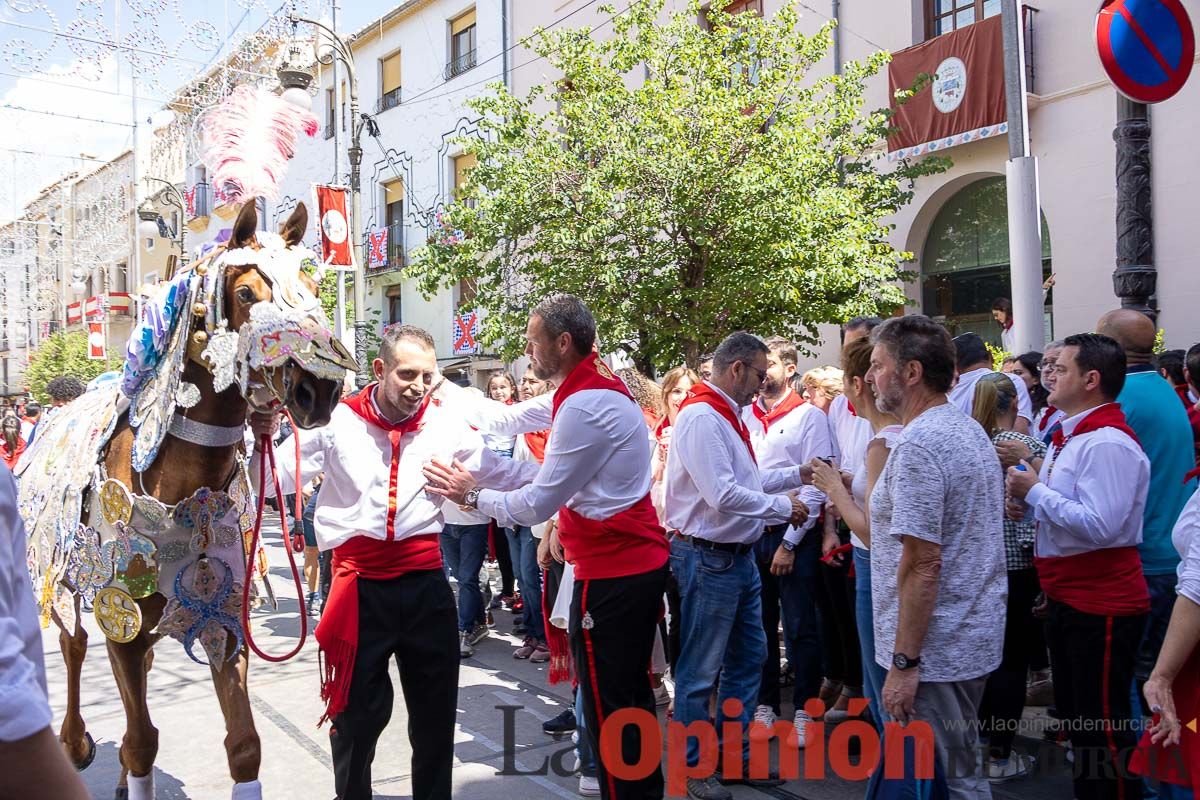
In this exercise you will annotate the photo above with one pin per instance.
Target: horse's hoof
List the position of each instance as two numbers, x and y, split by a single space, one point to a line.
122 793
91 754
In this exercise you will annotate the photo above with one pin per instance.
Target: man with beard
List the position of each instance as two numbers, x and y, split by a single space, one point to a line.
937 550
596 474
784 431
390 598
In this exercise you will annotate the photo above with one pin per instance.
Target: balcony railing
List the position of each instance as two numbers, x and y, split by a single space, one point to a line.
389 100
199 201
394 252
458 66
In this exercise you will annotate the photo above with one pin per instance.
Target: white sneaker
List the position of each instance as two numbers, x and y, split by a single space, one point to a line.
589 787
766 716
662 695
797 738
1017 765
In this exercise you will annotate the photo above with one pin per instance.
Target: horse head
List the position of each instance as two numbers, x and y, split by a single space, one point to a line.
268 331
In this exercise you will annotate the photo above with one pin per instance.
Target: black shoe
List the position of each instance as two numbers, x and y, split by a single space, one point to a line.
770 779
562 725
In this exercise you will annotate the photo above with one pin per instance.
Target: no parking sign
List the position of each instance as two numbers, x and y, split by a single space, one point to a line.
1146 46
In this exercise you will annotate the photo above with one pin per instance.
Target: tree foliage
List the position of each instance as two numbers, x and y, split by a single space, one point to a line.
688 180
64 353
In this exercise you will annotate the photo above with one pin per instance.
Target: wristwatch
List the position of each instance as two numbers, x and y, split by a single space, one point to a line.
789 546
903 662
472 498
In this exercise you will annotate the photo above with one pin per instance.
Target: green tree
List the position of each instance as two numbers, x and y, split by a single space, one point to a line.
64 353
689 180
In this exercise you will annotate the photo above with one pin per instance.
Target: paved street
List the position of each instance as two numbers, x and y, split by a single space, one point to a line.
296 761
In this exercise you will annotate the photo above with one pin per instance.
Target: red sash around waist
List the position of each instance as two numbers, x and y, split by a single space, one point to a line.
1105 582
627 543
337 632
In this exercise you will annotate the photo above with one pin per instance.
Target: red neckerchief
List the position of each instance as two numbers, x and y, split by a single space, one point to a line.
536 442
591 373
1008 325
1050 412
790 402
661 427
703 393
850 408
1108 415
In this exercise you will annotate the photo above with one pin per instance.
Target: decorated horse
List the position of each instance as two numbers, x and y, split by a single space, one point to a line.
136 496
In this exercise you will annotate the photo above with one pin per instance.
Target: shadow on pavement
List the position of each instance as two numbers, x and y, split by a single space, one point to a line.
102 776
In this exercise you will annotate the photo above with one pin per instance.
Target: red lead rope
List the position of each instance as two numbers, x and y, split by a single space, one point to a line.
292 544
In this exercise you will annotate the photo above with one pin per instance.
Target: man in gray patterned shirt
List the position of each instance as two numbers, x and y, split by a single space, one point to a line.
938 580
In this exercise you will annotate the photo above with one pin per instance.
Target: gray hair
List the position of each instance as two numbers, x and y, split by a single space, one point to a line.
398 333
740 346
915 337
1057 344
566 313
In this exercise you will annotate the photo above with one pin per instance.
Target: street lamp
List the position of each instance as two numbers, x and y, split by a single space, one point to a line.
151 225
293 78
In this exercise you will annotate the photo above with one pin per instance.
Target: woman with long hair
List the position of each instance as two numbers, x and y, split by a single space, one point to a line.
852 504
1003 701
502 388
11 443
675 386
1027 367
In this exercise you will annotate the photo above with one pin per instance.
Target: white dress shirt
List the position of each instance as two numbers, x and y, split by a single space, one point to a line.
597 458
1092 492
851 434
963 393
24 709
714 490
356 458
794 440
1186 538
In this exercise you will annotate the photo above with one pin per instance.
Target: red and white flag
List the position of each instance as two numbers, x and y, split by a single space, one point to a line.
97 346
337 247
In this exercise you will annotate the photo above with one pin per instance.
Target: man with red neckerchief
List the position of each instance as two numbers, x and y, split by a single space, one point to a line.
390 597
1088 502
596 474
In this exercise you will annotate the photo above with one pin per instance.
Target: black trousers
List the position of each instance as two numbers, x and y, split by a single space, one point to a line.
613 621
413 619
1004 695
1092 658
834 594
499 540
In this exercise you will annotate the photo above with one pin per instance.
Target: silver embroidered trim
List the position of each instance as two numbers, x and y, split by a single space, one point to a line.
203 434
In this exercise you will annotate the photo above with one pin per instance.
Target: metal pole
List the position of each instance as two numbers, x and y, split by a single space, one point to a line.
1021 180
1135 278
339 321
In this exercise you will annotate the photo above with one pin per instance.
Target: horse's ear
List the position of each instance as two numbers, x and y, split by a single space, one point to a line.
244 226
296 226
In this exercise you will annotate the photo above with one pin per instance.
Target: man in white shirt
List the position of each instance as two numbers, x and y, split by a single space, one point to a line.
389 597
973 362
1088 500
785 431
32 763
716 502
596 474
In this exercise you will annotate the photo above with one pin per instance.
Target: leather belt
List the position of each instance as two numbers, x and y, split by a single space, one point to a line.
737 548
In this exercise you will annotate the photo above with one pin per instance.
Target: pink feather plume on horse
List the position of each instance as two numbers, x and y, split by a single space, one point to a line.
248 140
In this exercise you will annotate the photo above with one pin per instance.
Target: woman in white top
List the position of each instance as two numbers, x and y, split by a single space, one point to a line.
675 386
850 502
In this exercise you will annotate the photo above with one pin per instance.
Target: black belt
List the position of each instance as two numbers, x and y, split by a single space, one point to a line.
737 548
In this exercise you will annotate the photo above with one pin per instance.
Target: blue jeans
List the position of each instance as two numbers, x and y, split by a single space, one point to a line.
583 747
523 548
720 633
794 593
864 614
463 548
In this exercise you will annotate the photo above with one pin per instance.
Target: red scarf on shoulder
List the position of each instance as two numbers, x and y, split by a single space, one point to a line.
1108 415
591 373
789 403
703 393
365 557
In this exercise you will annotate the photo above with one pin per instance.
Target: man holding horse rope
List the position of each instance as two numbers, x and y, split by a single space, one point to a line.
390 597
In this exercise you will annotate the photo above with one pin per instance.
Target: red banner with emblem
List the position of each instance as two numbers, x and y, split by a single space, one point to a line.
335 226
97 345
965 99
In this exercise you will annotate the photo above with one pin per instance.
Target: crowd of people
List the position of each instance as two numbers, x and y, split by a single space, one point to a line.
19 421
909 537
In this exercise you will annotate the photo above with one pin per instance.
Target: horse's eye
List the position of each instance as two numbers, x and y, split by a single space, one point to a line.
245 294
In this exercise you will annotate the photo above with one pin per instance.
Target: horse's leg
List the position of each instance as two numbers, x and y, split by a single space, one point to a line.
123 782
242 745
73 734
130 663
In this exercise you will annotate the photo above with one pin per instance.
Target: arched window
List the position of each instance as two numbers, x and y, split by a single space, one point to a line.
965 262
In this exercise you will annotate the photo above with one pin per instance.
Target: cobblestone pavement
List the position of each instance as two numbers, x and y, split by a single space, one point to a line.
296 763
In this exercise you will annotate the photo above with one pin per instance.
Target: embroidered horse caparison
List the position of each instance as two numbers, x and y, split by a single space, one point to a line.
134 511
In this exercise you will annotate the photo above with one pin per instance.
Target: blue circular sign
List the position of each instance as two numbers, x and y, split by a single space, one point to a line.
1146 46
